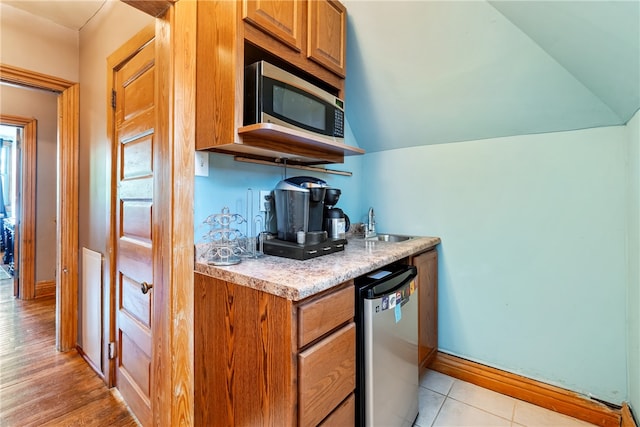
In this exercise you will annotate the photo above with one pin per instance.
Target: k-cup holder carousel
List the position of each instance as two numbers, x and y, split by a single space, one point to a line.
225 240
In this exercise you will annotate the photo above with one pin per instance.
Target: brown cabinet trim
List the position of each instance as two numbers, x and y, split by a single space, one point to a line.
627 416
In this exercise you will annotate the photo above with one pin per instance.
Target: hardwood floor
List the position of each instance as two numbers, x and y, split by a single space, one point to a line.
40 386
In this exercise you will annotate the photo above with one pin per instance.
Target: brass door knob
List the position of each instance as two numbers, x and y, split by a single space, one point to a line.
145 287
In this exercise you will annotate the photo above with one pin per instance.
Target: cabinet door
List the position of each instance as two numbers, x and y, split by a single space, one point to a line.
427 265
327 30
281 19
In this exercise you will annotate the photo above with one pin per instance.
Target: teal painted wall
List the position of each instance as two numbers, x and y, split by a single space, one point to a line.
533 263
533 271
228 181
633 349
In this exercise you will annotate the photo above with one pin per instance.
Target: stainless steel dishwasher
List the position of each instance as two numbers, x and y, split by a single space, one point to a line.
387 347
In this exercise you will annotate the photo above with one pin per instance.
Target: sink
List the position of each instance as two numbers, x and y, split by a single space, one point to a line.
383 237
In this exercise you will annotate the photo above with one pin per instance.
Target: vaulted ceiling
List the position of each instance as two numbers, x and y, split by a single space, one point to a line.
430 72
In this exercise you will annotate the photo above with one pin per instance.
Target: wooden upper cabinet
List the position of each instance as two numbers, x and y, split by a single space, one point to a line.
233 34
280 19
327 33
314 29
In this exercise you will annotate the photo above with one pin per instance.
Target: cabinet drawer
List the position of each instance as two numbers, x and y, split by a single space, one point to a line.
320 316
326 375
344 415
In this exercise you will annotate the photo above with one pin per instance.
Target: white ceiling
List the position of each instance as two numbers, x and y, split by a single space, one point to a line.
429 72
72 14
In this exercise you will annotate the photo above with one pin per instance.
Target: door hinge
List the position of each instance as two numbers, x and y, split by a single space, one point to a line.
112 350
113 99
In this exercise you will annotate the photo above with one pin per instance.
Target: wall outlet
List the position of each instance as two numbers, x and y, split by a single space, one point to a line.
264 195
202 163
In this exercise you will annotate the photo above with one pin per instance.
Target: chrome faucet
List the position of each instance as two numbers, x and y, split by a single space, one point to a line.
370 231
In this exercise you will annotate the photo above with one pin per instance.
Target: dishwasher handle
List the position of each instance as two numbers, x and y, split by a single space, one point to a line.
392 283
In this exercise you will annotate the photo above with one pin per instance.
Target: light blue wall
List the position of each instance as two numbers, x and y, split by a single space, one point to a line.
228 181
633 351
533 272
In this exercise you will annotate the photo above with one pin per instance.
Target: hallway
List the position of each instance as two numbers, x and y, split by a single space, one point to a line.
40 386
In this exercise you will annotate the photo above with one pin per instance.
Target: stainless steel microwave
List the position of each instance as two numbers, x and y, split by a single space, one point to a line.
273 95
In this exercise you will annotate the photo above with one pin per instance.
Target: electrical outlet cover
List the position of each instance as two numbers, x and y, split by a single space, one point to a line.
202 163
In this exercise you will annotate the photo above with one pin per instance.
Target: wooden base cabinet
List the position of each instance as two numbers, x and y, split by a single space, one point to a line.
264 360
427 265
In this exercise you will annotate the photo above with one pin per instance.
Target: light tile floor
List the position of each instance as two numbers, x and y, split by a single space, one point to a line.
446 401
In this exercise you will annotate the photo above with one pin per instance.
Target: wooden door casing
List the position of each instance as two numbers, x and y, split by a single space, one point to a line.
134 120
24 240
67 212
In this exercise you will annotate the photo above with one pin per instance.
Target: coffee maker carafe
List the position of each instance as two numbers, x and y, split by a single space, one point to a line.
336 222
299 203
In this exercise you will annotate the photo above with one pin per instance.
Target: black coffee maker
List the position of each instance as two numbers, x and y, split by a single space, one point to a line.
299 208
336 222
300 217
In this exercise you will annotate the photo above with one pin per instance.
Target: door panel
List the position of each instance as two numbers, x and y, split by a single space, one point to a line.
129 324
134 302
134 135
137 97
137 158
135 363
136 220
133 259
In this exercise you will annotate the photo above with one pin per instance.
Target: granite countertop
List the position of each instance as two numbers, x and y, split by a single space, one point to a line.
296 280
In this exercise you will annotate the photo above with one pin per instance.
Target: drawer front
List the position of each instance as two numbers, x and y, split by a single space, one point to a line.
326 375
344 415
320 316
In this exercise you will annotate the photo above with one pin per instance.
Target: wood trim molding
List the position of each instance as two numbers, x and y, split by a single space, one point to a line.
22 77
67 229
25 242
154 8
627 417
89 362
535 392
172 375
45 288
67 224
27 235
